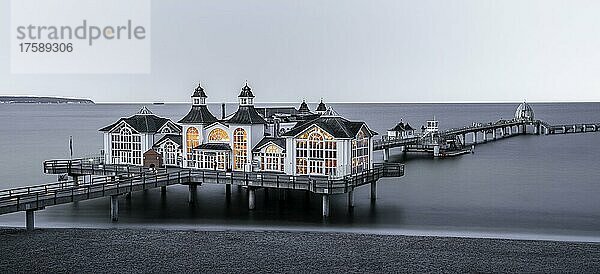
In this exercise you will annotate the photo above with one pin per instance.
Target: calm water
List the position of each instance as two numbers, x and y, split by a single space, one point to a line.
541 187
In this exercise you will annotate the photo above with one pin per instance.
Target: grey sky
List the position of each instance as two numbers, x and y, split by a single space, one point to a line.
351 51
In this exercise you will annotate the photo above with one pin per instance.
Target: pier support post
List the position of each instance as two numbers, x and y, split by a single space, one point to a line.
510 131
29 219
436 150
114 208
494 134
228 191
373 190
163 190
484 136
474 137
386 154
192 194
251 198
325 205
351 199
464 138
524 129
536 129
76 180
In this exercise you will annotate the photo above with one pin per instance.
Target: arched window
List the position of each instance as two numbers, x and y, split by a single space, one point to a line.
126 147
240 149
192 141
316 153
219 135
166 130
272 159
360 152
170 154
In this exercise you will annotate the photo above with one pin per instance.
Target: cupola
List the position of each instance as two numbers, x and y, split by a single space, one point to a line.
246 97
199 97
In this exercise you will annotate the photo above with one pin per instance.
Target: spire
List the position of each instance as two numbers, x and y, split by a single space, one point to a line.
199 97
144 111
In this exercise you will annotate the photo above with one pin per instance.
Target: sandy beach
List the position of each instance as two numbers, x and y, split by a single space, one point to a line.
159 251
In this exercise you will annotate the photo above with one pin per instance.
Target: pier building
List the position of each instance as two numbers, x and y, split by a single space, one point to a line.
281 139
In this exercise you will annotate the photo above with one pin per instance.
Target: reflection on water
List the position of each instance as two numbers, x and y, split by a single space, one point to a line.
525 185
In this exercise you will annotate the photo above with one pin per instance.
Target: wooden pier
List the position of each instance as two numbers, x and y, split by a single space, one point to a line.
116 180
479 133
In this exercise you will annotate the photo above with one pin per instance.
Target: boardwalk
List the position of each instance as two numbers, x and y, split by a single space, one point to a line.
116 180
480 133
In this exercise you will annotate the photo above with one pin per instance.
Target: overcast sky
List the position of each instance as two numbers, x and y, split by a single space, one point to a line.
350 51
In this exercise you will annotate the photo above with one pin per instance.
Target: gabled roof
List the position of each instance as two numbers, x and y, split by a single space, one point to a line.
214 146
337 126
246 115
198 115
280 142
402 127
143 122
173 137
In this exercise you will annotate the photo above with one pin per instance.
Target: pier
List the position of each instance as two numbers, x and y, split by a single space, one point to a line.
115 181
457 141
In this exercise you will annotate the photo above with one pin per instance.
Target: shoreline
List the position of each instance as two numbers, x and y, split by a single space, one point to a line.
153 250
415 232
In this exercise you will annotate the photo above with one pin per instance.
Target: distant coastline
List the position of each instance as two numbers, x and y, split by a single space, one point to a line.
42 100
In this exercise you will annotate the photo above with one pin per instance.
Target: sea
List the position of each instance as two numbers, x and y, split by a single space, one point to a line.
539 187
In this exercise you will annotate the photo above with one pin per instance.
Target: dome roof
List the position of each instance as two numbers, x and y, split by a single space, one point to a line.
246 91
524 112
303 108
199 92
321 106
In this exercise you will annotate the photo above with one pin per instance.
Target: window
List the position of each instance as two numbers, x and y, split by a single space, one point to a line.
126 147
240 149
218 160
360 152
316 153
272 159
219 135
170 154
192 141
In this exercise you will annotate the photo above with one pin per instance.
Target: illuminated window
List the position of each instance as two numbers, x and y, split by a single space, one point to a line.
192 141
214 160
219 135
272 159
316 153
240 149
360 152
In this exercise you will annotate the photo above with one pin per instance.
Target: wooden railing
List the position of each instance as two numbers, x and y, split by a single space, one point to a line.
138 178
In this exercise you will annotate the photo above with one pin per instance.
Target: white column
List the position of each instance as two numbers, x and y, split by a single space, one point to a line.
386 154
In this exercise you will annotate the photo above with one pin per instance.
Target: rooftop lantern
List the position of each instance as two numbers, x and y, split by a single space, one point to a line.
199 97
321 108
246 96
